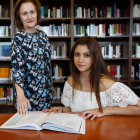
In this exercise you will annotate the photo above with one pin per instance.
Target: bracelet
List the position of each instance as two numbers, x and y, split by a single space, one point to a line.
62 109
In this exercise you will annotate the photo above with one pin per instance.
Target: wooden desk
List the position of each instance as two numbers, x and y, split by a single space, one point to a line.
104 128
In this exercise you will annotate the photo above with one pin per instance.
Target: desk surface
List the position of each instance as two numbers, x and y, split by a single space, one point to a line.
104 128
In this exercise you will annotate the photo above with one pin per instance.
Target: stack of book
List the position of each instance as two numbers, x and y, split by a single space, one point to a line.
95 11
59 52
99 30
136 10
111 51
55 30
6 93
5 31
136 28
54 12
4 12
5 50
58 94
136 51
115 71
58 73
135 71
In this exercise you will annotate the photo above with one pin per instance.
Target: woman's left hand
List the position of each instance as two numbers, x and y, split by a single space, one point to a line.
93 113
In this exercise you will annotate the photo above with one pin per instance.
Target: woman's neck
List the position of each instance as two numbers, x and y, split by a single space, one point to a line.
84 76
32 30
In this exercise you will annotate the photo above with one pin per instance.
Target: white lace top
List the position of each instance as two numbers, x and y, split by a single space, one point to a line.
118 95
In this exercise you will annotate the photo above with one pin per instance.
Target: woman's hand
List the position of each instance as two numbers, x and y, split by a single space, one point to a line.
93 113
54 109
22 103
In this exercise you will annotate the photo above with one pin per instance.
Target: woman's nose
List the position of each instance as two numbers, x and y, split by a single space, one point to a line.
80 58
29 16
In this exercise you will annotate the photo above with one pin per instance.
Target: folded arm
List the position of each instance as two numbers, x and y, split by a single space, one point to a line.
114 110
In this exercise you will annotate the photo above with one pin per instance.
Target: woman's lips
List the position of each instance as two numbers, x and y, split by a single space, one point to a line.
80 65
29 21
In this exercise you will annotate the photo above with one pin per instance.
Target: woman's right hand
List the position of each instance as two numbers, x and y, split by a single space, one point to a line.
22 105
54 109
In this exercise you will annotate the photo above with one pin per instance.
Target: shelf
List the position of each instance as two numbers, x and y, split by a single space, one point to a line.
5 38
5 19
135 35
58 81
57 102
9 37
58 36
123 36
5 60
6 82
5 103
122 80
136 80
116 59
135 58
126 40
136 18
103 19
55 19
60 59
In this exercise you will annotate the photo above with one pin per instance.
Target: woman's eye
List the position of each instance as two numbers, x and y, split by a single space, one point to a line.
32 12
76 54
87 55
24 13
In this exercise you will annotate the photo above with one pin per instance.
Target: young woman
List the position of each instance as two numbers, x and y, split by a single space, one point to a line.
30 53
90 90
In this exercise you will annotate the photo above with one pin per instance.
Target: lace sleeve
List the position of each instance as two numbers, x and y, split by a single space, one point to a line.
122 95
67 94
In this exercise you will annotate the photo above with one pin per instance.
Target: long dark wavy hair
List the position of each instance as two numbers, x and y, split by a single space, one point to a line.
98 68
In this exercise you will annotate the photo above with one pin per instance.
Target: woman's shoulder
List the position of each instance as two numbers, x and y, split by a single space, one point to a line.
69 80
19 35
106 83
40 32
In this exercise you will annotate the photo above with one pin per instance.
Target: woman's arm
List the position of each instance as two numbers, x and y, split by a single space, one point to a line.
122 101
66 99
114 110
18 59
22 101
128 110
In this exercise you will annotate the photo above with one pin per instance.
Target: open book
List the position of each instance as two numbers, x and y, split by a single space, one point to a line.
37 120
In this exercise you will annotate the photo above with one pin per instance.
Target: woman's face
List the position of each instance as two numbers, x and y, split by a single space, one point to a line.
82 58
28 16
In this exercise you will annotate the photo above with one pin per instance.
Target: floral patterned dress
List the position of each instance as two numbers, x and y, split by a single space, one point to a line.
30 54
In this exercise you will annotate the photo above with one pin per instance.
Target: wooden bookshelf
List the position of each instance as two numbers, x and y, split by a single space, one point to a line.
6 82
127 39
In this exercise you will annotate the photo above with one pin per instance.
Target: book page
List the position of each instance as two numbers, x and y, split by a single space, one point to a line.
15 119
36 117
68 120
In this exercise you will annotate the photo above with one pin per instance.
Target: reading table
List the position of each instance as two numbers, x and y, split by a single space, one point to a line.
104 128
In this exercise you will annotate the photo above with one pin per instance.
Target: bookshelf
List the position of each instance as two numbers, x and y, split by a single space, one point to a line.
5 105
127 39
135 39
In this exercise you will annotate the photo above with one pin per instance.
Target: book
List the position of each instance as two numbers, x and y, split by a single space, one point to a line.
37 120
4 73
